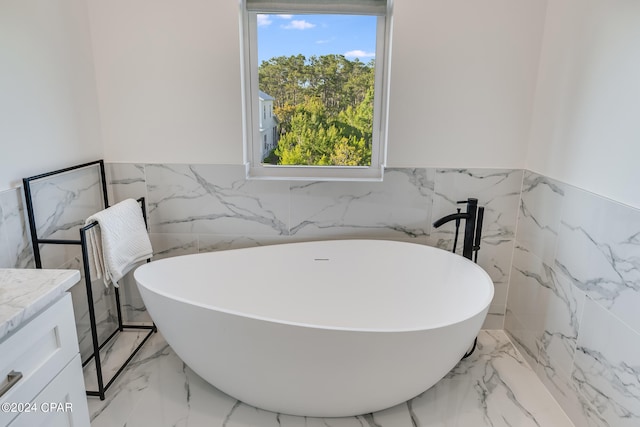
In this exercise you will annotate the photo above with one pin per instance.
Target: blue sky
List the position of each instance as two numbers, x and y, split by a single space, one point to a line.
286 35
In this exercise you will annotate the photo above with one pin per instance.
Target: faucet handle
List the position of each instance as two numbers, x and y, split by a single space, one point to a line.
471 200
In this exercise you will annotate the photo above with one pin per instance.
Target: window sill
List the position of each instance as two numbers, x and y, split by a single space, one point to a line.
315 173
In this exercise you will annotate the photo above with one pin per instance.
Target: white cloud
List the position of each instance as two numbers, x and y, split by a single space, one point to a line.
263 20
298 25
359 54
285 16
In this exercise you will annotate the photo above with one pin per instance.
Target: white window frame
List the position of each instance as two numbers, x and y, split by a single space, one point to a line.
250 112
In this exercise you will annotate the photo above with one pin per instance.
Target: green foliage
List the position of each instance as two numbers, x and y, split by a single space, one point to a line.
324 107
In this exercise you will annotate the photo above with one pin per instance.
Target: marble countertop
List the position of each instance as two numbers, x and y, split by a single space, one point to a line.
24 292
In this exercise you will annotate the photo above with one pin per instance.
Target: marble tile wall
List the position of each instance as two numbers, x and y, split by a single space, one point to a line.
573 300
198 208
15 243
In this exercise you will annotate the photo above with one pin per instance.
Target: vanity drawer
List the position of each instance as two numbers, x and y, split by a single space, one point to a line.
39 350
61 404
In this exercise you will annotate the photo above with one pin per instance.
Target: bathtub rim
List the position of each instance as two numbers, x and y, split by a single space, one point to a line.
434 325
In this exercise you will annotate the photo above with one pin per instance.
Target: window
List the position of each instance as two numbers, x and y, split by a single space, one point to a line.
321 69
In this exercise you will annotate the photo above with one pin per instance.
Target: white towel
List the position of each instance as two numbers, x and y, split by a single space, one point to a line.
118 242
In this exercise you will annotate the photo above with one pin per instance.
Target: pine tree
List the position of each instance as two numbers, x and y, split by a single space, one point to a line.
324 107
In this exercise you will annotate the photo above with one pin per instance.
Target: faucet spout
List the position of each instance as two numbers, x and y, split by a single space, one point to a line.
452 217
469 227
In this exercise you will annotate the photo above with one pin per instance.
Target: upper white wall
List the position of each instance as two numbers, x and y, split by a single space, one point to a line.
168 76
586 127
48 106
463 81
463 77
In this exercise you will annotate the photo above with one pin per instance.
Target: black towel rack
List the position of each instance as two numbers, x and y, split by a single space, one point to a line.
82 242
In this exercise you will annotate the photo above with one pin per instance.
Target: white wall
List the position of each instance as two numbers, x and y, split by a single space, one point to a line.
168 76
48 106
462 81
586 126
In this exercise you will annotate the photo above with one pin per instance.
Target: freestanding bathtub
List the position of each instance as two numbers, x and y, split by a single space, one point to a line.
326 329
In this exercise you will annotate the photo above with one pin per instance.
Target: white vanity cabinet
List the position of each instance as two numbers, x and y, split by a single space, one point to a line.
41 381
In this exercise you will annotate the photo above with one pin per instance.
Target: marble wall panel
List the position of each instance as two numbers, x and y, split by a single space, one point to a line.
539 215
607 366
398 207
173 244
125 181
538 227
214 199
495 258
599 250
498 190
15 240
547 308
6 260
215 242
61 204
573 299
526 303
563 312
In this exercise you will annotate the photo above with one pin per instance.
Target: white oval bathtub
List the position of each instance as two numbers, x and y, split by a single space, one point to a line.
326 329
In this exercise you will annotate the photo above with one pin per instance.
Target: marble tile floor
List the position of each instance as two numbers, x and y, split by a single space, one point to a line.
494 387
